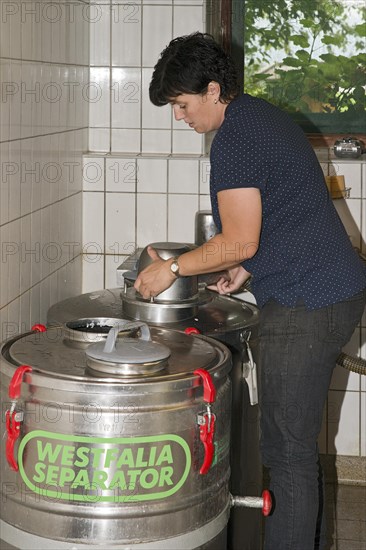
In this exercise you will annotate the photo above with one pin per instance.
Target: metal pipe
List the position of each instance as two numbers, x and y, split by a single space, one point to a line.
248 502
264 502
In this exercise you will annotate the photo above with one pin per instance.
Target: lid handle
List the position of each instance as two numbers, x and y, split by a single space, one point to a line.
110 344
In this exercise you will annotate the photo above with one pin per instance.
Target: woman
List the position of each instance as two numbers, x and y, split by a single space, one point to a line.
277 224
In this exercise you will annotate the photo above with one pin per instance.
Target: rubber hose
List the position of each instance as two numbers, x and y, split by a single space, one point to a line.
353 364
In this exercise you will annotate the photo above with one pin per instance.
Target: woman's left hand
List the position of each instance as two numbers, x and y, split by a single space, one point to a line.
156 277
237 277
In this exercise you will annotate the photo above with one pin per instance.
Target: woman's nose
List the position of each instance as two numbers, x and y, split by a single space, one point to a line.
178 114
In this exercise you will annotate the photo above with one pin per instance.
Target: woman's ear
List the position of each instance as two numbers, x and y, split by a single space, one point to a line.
214 89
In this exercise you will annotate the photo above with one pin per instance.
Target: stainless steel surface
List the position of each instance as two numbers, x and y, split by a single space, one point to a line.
53 359
115 461
156 311
349 147
212 536
234 323
217 316
205 227
184 288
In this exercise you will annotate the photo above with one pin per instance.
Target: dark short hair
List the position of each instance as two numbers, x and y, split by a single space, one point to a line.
188 64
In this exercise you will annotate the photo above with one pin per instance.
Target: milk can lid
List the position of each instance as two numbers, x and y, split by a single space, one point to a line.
128 355
168 357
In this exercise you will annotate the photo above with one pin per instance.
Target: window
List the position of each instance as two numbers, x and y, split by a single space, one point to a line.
308 57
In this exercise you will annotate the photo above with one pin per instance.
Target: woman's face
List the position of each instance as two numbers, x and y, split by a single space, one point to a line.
200 112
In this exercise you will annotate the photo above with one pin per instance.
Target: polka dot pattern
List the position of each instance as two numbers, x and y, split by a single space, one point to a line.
305 252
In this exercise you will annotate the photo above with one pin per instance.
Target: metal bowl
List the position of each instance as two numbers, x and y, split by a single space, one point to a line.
184 288
205 227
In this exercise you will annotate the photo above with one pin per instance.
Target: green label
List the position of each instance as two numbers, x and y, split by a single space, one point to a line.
99 469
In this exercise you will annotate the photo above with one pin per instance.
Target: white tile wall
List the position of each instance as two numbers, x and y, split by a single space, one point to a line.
151 218
187 19
93 272
204 202
120 230
99 35
35 304
93 173
93 223
26 256
155 17
183 175
344 423
44 63
204 177
152 175
156 141
98 93
128 141
13 259
121 174
125 43
181 214
99 139
126 28
126 98
188 142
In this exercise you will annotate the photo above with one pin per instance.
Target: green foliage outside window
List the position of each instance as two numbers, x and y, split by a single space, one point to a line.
309 58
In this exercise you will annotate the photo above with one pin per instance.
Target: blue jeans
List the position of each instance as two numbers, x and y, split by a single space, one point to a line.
298 352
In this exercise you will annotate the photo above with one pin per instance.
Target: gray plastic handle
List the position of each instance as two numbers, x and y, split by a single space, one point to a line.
110 344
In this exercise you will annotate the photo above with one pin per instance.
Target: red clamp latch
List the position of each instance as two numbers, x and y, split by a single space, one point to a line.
191 330
13 421
38 327
207 420
16 382
14 418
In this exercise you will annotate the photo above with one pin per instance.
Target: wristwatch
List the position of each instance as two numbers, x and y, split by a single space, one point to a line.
174 267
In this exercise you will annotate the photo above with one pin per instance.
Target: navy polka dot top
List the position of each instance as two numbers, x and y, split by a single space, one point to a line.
305 252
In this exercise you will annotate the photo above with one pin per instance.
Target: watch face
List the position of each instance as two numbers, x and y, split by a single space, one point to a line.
174 267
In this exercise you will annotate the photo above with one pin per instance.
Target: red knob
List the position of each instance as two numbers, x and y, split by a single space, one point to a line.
267 503
39 328
192 330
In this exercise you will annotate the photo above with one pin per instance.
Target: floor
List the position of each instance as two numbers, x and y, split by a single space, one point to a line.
346 516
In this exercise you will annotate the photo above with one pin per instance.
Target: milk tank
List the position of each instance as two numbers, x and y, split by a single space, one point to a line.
188 305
